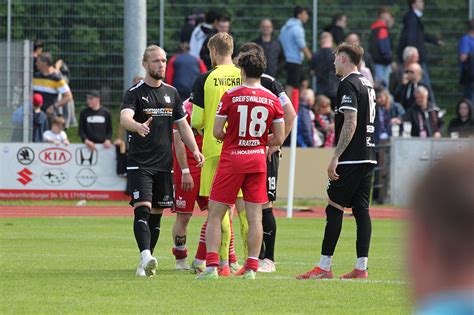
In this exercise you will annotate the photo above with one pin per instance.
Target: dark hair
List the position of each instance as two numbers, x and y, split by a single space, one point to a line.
253 64
46 58
211 16
469 105
355 52
410 3
225 18
337 17
251 47
37 44
470 25
298 9
443 203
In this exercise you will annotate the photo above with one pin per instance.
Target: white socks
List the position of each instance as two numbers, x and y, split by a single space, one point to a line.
211 269
361 263
181 247
146 254
325 262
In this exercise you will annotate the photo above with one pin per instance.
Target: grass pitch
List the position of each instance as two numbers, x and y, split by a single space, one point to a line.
87 265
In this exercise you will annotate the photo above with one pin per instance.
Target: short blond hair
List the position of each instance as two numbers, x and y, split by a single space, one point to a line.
223 43
149 49
322 99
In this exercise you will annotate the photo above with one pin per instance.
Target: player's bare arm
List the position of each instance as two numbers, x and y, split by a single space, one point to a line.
278 134
218 130
347 132
187 182
187 136
127 121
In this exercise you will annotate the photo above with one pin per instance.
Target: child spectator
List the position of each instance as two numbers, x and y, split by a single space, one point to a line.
463 125
305 123
324 120
40 120
56 135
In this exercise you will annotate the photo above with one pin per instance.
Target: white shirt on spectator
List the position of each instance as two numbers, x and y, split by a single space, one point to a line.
50 136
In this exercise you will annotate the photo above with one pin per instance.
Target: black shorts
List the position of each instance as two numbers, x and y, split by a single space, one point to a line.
293 74
153 186
272 175
352 189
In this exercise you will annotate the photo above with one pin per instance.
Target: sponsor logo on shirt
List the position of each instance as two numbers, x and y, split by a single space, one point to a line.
346 99
227 81
167 99
160 112
247 152
249 143
96 119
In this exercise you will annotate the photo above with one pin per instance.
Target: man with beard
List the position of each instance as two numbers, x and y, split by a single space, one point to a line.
149 110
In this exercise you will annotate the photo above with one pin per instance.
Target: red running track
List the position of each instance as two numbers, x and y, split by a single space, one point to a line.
104 211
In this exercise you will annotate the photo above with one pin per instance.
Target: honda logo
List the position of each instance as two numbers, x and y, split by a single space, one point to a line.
84 156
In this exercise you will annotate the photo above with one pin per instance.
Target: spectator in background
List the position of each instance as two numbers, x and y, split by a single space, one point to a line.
366 67
202 32
388 114
410 55
95 123
271 47
40 121
322 66
56 135
38 47
412 77
183 69
466 58
292 39
440 253
423 117
190 22
223 26
380 46
337 28
413 34
305 124
209 32
50 85
463 125
324 120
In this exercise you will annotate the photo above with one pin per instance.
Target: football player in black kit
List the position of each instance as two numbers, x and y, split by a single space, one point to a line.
267 253
149 110
351 168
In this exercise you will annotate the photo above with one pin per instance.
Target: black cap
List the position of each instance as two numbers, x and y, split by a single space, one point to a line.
93 93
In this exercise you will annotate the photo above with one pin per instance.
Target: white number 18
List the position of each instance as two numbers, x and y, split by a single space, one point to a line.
254 120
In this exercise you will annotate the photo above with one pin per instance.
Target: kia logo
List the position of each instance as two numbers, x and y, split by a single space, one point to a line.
55 156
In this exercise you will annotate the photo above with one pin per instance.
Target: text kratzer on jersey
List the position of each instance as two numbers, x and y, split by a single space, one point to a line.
252 99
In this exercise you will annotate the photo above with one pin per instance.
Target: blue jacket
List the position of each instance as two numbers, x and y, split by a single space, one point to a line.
292 40
305 127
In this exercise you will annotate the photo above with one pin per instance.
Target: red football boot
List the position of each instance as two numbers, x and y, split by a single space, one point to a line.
315 273
356 274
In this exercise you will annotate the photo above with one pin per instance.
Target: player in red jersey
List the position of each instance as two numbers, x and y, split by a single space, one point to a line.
187 176
248 110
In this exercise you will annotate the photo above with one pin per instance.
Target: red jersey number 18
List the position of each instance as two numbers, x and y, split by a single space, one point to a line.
255 121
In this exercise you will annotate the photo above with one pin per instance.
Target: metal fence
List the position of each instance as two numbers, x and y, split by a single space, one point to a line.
15 91
88 34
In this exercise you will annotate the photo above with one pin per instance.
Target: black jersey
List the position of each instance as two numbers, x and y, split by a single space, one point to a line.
356 93
163 103
275 87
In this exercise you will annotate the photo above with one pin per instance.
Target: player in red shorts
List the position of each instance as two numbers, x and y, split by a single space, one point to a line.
248 110
187 176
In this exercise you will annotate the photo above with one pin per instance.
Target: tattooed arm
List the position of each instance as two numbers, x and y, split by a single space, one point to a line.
347 132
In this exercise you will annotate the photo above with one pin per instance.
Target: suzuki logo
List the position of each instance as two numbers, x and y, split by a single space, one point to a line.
84 156
55 156
25 178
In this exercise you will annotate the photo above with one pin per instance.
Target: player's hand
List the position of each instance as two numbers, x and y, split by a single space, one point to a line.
270 152
144 129
199 158
90 145
332 169
187 182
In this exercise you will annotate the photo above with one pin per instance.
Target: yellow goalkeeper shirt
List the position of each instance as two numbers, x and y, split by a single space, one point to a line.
207 92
